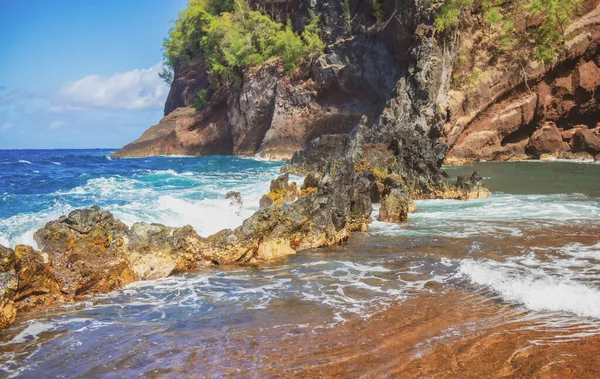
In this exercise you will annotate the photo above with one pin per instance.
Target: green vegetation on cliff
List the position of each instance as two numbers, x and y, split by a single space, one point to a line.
231 37
545 21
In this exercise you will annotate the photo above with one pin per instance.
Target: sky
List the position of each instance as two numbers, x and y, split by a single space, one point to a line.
81 73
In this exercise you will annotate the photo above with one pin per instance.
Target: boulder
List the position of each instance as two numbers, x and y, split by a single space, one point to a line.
567 135
395 206
87 252
9 283
156 251
546 140
585 140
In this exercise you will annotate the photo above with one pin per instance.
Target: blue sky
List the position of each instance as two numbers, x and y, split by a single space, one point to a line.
81 73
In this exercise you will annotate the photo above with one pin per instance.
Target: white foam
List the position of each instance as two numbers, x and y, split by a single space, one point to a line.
581 251
536 290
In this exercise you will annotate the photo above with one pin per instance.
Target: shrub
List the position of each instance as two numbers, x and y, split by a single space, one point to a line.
448 14
377 10
201 100
347 14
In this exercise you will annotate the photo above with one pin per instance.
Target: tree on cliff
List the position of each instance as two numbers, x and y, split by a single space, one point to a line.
231 37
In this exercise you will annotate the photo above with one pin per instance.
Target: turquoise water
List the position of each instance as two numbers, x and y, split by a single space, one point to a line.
37 186
533 246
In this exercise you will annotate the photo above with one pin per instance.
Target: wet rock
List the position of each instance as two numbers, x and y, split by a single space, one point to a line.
468 188
395 206
235 197
235 201
86 248
546 140
38 285
392 182
376 191
341 206
9 283
587 141
156 251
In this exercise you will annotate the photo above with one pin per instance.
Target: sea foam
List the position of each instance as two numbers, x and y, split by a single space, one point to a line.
536 290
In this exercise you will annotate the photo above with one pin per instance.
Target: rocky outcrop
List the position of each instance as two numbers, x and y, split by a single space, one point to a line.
85 249
395 206
274 115
341 206
500 106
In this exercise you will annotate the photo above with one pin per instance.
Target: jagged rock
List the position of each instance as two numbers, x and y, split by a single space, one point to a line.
312 180
86 252
317 154
341 206
585 140
546 140
392 182
38 285
235 201
468 188
9 283
280 192
395 206
156 251
187 82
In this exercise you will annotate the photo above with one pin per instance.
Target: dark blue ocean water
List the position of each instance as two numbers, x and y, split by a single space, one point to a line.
37 186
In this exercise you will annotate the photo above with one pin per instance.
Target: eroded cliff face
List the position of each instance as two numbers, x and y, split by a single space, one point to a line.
515 110
271 114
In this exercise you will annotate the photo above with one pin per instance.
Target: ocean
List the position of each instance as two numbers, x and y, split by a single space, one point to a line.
524 264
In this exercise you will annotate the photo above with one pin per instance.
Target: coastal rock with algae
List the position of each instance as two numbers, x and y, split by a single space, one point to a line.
8 286
396 206
86 251
340 206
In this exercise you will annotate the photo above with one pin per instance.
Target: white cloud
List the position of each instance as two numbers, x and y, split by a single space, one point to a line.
56 124
5 126
131 90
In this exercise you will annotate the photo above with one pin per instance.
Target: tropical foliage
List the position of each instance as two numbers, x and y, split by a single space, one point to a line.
501 15
231 38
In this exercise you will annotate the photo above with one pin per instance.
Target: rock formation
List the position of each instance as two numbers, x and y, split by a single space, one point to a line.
502 112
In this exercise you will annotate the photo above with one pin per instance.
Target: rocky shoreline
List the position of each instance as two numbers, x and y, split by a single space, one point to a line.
90 252
371 121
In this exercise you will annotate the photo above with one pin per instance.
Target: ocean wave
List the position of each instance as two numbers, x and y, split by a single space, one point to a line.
500 214
24 161
536 290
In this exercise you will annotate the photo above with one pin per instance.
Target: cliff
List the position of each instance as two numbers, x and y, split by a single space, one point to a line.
490 109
